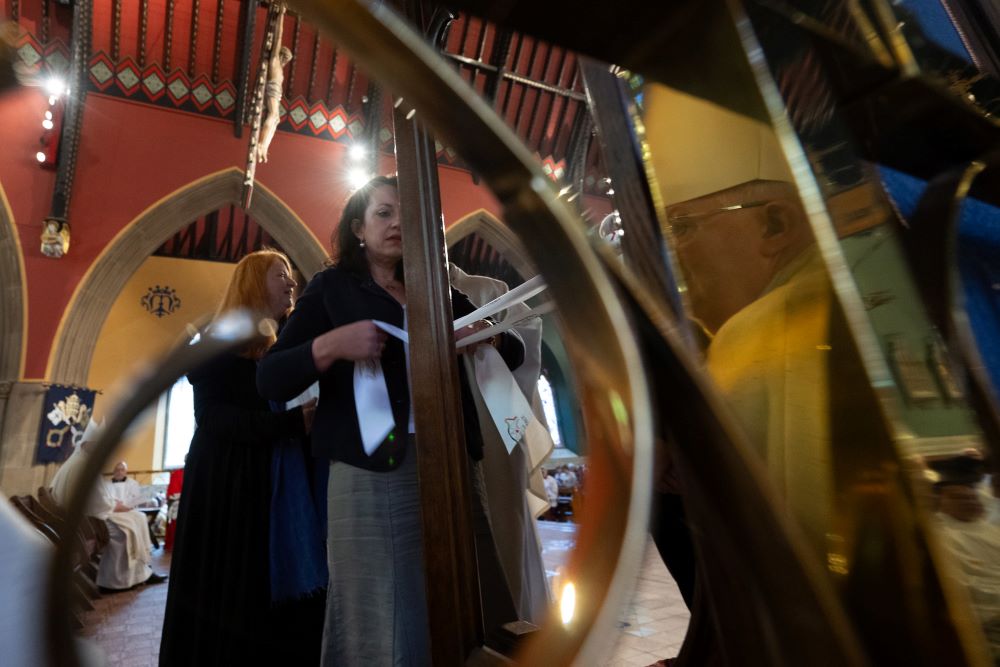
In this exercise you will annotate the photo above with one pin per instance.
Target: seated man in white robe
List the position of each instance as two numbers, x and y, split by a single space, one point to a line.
973 541
125 561
123 488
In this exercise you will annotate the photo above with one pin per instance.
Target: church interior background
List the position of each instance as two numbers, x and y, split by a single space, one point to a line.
125 128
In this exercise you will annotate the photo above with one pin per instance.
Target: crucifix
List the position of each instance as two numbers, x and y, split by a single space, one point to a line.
266 108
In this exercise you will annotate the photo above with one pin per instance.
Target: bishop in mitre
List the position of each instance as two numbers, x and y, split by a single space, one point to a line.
126 560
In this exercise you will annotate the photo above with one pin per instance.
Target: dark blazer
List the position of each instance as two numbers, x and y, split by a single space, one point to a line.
332 299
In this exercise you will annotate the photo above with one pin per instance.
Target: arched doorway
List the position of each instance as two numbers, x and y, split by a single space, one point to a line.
12 299
482 244
81 324
12 313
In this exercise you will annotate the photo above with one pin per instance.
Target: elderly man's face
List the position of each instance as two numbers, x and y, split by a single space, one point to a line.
721 253
120 470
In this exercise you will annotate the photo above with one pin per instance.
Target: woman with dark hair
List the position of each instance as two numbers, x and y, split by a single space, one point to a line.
219 597
376 608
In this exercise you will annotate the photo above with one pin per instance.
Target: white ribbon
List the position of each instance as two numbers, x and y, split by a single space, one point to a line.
371 402
310 393
506 325
519 294
510 410
394 330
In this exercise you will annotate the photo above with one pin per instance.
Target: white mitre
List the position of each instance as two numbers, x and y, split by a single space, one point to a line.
93 431
698 148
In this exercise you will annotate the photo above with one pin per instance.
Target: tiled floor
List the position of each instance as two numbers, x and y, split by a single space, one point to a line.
126 626
653 625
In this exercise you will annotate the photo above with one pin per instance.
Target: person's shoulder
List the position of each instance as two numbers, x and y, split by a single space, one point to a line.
332 276
218 365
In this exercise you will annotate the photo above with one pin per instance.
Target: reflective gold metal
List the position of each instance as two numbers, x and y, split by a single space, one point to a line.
612 384
769 600
228 333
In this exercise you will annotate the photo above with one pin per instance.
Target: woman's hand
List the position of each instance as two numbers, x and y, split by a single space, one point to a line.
467 331
358 341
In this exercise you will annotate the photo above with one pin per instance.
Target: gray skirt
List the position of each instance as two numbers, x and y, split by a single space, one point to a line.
376 607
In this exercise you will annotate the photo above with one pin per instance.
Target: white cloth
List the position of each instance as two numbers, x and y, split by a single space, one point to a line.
513 502
552 490
99 503
975 547
127 491
24 564
509 409
371 403
771 363
566 479
481 290
125 560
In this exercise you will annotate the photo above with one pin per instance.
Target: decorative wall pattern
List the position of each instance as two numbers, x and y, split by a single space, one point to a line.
52 57
154 86
160 301
176 90
155 53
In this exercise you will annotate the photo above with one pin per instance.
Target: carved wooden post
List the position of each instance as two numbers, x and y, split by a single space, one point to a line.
449 557
642 243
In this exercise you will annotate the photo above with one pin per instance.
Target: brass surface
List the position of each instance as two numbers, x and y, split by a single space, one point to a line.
613 389
880 551
746 542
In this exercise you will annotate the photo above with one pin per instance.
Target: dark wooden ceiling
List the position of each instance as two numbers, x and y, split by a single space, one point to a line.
201 56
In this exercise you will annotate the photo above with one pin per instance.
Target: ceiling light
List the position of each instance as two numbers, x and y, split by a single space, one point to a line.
357 152
357 177
54 86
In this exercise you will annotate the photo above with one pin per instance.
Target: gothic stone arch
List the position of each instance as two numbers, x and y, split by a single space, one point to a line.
12 302
494 232
81 325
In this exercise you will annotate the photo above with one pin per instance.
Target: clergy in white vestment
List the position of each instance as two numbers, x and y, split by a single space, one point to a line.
515 492
125 561
974 543
123 488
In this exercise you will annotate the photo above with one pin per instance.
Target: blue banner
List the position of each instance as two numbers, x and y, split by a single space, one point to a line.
65 414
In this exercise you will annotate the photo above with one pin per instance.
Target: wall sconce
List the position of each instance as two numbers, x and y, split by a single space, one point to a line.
55 237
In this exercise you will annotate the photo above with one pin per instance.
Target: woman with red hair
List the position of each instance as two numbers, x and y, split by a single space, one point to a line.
219 596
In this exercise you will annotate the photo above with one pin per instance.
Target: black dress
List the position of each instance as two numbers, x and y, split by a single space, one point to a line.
219 597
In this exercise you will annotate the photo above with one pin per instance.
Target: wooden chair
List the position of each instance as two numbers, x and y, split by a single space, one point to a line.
87 547
24 506
93 533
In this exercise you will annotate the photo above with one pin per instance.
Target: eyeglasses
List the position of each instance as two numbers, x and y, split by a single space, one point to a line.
681 226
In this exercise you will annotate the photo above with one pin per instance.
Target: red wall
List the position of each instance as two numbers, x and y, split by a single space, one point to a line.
130 156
